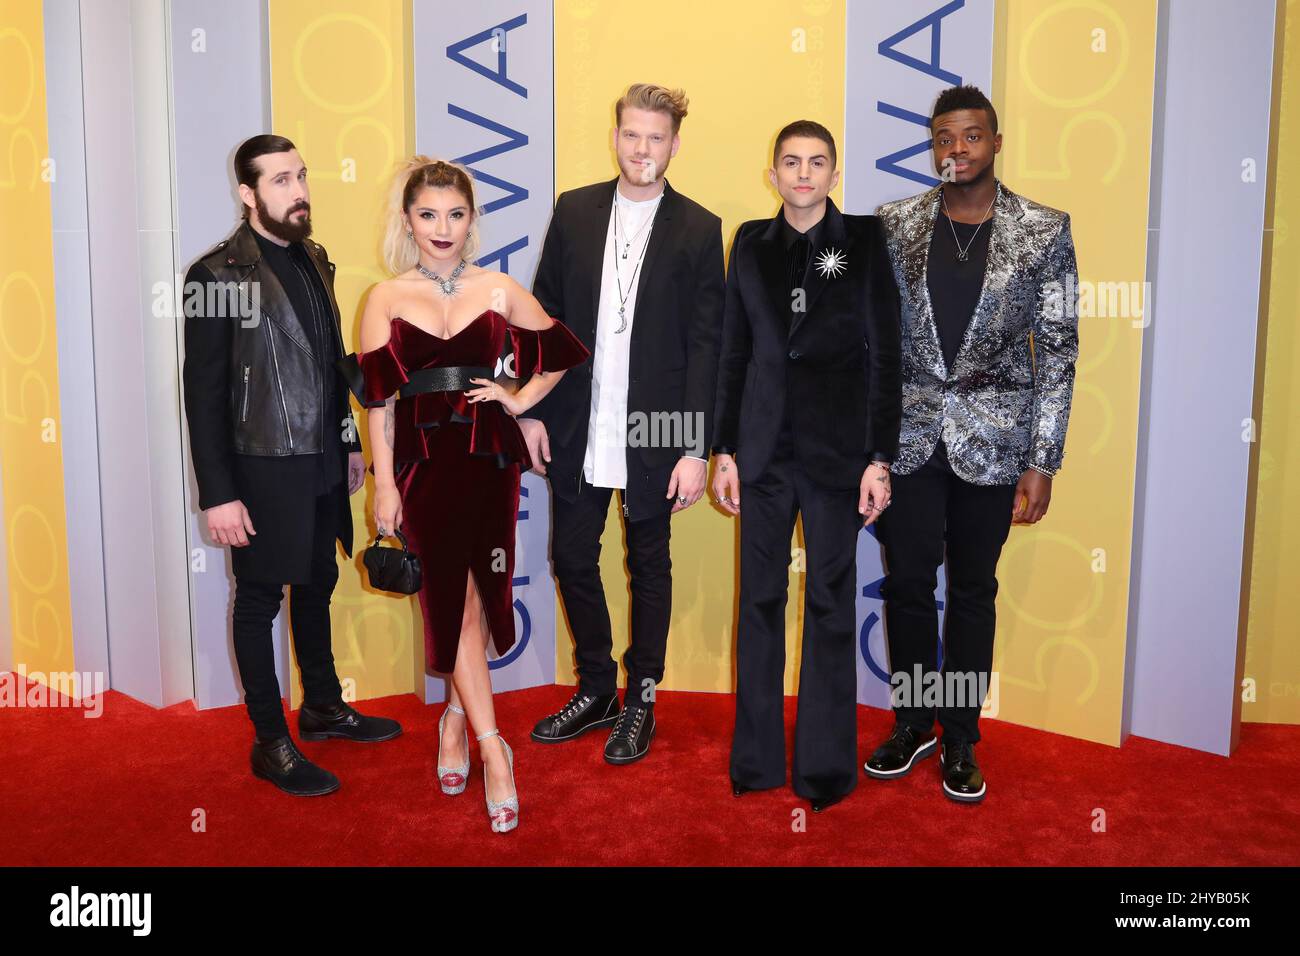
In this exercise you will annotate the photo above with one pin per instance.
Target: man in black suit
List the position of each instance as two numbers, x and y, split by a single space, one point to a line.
275 451
634 269
807 417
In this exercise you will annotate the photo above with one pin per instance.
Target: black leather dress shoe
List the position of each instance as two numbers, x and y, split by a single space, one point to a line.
739 789
630 739
962 780
579 715
896 756
284 765
341 720
821 803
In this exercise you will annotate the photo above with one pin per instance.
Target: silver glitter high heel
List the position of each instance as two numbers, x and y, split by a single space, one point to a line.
505 814
452 779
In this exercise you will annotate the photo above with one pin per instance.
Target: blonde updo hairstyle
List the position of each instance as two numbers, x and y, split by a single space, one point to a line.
412 178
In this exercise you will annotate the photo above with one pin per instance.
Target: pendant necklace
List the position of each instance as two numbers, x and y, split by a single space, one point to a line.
448 285
964 253
623 296
618 222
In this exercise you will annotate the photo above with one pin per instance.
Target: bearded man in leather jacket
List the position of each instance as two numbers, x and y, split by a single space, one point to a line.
275 446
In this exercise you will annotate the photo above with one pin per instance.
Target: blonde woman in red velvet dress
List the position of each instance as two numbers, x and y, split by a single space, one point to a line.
447 451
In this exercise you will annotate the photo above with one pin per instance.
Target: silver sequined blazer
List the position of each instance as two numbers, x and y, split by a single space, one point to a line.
1004 405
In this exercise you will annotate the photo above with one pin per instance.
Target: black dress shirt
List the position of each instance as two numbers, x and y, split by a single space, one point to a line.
799 247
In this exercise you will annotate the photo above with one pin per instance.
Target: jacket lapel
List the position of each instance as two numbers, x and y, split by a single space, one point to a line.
660 232
833 237
243 251
773 270
916 227
1003 243
596 237
317 256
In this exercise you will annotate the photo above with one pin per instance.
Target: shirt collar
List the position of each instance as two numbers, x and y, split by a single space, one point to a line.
272 248
790 235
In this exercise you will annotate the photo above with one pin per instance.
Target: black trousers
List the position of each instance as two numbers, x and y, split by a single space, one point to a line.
826 731
256 605
932 508
576 528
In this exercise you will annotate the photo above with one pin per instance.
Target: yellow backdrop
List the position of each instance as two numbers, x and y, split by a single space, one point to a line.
31 429
1272 651
744 84
341 91
1073 82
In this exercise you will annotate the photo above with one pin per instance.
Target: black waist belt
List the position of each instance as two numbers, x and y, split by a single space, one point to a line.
450 378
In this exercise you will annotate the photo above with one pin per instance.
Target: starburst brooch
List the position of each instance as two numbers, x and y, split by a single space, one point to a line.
831 262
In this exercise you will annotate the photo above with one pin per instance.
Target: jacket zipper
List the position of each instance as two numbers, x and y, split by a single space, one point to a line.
243 414
270 337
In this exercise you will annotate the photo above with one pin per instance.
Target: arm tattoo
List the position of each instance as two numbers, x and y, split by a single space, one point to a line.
389 422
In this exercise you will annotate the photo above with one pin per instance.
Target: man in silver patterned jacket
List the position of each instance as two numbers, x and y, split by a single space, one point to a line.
988 287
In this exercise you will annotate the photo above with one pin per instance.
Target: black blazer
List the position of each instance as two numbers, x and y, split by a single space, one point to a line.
677 325
835 373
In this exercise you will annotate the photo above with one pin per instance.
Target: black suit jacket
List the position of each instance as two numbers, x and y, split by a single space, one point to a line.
676 328
833 369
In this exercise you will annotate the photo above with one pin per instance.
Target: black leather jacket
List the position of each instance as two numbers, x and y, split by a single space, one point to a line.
275 380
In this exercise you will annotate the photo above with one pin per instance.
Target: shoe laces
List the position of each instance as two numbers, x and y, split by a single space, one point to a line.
293 756
905 737
629 721
569 709
959 753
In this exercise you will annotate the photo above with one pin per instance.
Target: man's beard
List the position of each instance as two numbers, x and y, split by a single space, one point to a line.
642 175
283 228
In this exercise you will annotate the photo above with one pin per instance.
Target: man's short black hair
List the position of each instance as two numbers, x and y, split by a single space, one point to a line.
963 98
809 128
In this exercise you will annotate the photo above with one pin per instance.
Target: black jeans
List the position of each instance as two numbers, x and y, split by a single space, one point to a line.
575 555
256 605
931 508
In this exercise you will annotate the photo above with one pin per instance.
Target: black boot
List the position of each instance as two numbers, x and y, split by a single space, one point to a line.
341 720
630 739
579 715
282 763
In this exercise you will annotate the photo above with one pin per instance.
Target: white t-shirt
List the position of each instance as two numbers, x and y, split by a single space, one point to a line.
605 464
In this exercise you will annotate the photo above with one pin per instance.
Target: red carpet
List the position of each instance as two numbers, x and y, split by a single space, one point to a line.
122 790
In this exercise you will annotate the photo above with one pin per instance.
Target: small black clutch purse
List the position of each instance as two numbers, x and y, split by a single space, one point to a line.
391 569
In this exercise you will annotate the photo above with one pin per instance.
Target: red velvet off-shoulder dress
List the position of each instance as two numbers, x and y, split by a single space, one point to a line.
457 464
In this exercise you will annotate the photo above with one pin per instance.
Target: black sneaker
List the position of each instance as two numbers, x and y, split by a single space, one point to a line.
962 780
630 739
579 715
284 765
895 757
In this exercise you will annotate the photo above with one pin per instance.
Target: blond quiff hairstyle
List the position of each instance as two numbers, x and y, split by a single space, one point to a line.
656 99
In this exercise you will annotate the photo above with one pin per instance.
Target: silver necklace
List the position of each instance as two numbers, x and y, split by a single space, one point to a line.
964 253
448 285
618 222
623 296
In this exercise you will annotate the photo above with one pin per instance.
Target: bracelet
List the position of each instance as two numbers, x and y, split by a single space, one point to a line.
1042 471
